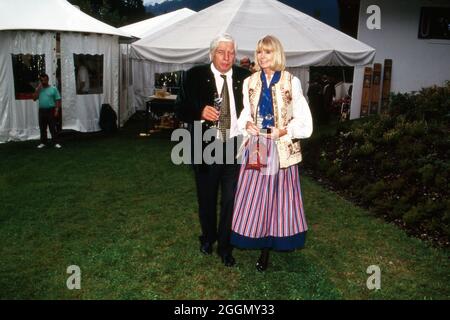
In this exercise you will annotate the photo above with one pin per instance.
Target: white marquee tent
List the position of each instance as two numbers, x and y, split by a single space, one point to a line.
151 26
307 41
135 90
54 30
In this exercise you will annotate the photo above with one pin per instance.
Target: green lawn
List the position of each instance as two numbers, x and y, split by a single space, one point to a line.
118 208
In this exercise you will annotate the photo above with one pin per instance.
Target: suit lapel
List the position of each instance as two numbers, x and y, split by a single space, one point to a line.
237 91
236 83
210 85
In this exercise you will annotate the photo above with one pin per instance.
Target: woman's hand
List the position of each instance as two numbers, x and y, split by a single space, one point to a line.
276 133
252 128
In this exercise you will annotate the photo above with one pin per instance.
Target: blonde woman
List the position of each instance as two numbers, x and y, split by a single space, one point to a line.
268 209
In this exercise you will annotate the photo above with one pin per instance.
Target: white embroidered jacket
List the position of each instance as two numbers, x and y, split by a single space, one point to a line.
291 111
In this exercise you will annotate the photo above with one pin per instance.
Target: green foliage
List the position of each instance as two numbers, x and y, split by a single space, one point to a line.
367 149
333 171
392 136
413 215
346 180
427 171
373 191
401 159
430 104
113 12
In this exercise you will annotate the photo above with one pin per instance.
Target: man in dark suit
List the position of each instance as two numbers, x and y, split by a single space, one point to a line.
315 96
195 104
329 93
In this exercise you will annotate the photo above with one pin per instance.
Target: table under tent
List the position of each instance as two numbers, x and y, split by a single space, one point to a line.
307 41
56 38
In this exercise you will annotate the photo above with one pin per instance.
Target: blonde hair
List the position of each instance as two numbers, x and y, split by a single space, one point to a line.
271 43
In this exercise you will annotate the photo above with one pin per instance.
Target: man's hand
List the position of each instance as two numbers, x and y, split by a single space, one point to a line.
210 114
36 92
252 128
56 112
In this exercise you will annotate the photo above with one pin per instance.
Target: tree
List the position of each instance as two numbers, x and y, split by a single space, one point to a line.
114 12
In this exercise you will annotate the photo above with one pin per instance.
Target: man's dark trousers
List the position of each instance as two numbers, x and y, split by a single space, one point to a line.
209 178
47 118
197 91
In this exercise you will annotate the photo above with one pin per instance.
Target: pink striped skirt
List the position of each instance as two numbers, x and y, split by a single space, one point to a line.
268 208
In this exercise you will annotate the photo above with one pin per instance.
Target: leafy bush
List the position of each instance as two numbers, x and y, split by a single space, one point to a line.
397 163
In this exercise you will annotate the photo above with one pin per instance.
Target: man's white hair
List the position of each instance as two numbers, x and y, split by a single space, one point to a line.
224 37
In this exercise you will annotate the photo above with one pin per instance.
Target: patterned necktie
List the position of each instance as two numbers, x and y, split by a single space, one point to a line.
225 115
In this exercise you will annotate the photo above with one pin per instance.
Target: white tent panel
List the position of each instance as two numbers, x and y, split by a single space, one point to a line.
30 27
142 71
133 95
306 40
126 88
19 118
150 26
56 15
82 112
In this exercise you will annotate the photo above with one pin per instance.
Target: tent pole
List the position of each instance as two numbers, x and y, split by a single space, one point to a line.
120 87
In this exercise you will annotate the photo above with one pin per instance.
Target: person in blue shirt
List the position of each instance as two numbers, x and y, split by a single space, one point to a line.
49 106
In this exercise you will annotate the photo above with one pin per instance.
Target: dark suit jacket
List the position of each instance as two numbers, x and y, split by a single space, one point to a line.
198 88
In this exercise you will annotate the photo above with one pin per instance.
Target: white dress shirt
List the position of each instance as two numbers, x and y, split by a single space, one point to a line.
234 129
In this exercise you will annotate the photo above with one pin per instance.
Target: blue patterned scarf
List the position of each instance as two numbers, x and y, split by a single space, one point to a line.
265 101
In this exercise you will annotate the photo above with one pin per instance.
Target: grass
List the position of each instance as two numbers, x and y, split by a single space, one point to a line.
120 210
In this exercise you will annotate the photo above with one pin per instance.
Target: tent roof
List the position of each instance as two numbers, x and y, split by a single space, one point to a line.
306 40
149 26
55 15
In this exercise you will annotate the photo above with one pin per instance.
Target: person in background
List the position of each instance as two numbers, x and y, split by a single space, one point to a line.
268 208
245 62
252 67
49 106
315 98
83 84
329 93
